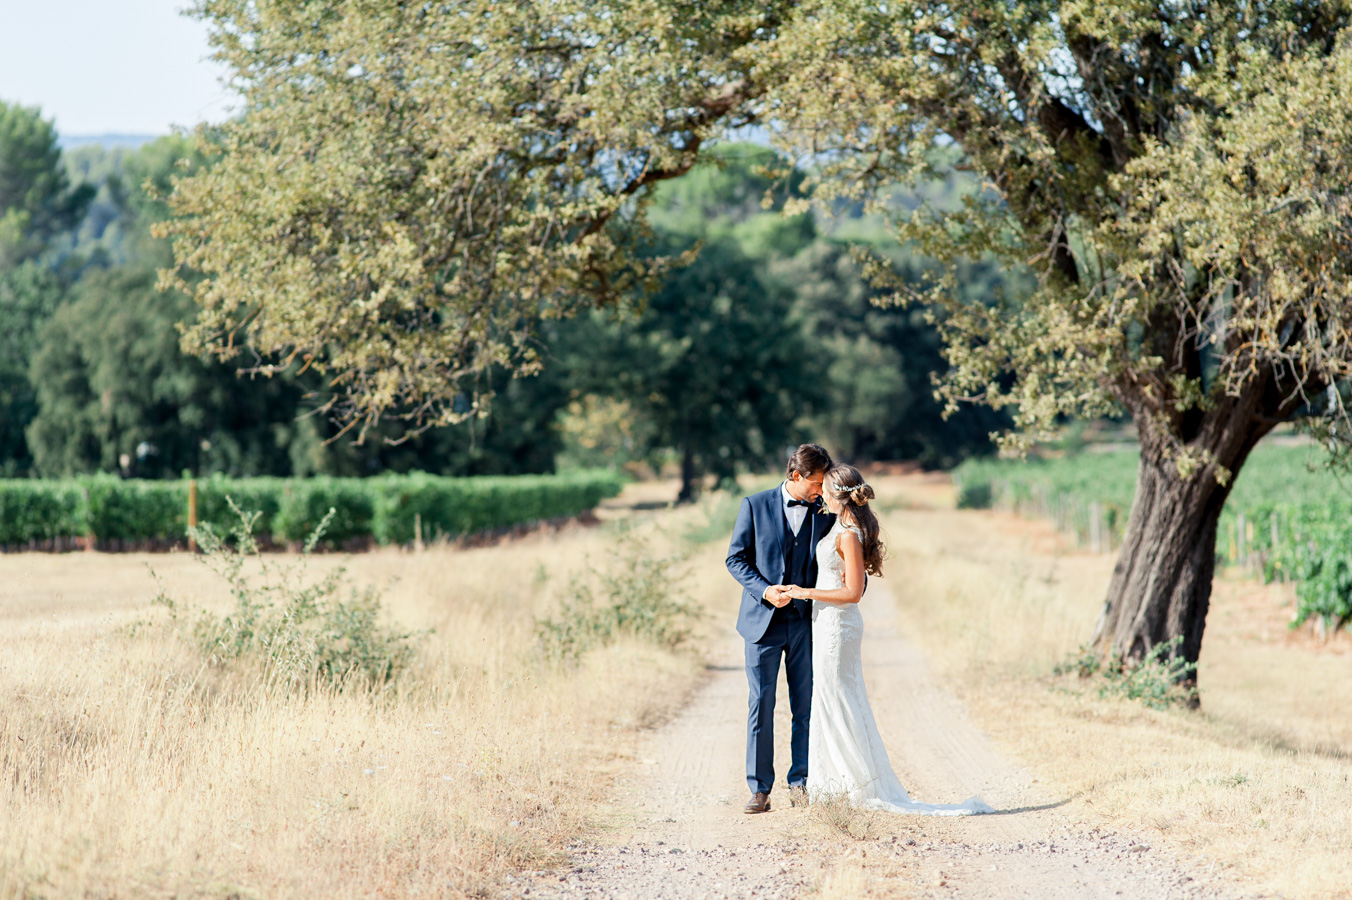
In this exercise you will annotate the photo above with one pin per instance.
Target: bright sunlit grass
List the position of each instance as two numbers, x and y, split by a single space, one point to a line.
130 766
1260 780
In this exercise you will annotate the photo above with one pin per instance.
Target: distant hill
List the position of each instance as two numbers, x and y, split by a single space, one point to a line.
130 141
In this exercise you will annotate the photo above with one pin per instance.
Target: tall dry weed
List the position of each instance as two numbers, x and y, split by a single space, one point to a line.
846 820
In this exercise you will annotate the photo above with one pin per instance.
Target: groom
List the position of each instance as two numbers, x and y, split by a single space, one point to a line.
774 544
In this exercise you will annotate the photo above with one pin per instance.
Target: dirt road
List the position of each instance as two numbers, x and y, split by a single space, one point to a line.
676 827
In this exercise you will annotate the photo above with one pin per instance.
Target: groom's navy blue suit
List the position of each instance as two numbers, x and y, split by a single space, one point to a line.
765 551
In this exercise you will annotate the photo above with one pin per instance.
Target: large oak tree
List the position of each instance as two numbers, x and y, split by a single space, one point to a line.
412 186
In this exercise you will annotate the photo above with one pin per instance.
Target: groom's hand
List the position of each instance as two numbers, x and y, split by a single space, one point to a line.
777 596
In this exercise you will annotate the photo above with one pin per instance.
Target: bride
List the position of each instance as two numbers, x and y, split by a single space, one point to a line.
845 754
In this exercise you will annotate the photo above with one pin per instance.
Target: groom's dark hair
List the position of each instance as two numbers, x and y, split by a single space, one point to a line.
808 458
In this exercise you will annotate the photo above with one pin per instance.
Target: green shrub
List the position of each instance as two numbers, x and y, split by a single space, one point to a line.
636 598
1314 549
289 509
262 496
404 500
1161 680
299 631
974 495
451 507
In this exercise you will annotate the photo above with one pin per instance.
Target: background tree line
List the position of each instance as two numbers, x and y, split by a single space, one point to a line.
767 338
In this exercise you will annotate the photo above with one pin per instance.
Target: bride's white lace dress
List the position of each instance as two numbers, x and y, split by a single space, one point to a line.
845 754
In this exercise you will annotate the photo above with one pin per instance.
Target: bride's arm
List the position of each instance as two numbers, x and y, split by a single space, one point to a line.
852 552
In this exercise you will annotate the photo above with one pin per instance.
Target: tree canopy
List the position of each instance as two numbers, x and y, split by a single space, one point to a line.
92 377
413 187
37 203
36 199
767 338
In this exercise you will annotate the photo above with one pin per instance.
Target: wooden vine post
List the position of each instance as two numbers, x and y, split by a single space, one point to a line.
192 514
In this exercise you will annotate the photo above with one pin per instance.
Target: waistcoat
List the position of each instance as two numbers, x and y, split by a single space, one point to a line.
797 560
797 551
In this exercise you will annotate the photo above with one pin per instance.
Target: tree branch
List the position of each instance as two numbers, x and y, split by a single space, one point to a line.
709 110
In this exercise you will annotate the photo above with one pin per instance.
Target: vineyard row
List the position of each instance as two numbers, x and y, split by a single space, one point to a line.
1287 518
113 513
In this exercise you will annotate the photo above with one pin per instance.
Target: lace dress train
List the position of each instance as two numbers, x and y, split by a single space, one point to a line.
845 753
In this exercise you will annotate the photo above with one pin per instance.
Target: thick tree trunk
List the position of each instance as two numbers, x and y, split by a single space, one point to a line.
688 475
1161 585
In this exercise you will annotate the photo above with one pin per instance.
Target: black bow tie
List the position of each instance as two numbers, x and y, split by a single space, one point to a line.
807 503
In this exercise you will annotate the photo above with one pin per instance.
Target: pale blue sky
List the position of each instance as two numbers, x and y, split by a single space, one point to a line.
109 66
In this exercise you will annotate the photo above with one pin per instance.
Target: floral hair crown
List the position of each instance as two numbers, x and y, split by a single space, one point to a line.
859 493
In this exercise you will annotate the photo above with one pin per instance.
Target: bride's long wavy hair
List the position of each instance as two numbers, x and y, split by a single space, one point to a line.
848 487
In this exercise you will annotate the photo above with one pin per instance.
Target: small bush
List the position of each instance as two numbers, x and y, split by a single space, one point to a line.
299 631
1326 594
1161 680
636 598
973 494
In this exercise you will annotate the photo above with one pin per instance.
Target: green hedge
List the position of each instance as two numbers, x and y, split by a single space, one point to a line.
456 506
136 510
384 509
303 504
253 495
41 511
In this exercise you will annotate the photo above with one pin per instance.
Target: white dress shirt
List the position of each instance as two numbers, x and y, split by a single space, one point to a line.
795 514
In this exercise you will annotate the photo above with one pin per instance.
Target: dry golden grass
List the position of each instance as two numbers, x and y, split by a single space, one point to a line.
130 767
1260 780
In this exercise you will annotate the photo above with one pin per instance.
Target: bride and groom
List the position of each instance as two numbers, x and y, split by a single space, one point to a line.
803 552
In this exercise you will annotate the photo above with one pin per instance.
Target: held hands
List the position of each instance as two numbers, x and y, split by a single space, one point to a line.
780 595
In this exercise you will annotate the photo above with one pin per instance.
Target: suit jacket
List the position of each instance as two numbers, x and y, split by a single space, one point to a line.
756 556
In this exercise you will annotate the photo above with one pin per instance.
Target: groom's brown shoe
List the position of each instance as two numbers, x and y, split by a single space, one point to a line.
759 803
797 795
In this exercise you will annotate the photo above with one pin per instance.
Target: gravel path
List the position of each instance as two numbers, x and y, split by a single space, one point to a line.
676 827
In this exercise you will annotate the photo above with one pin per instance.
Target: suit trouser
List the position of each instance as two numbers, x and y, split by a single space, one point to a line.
789 636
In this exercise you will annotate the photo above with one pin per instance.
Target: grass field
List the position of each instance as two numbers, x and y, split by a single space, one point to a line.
1260 781
133 766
